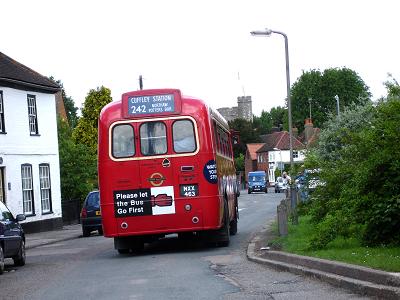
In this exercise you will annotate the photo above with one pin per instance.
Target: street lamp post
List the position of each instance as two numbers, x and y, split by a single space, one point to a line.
267 32
337 106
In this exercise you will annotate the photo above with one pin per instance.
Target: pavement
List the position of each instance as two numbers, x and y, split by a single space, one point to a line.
362 280
68 232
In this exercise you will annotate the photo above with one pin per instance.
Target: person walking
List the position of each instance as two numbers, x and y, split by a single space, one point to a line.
286 181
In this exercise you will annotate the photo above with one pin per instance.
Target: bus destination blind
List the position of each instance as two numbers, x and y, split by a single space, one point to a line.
155 104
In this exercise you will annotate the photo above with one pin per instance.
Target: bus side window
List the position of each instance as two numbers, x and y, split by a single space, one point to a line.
123 144
153 138
183 136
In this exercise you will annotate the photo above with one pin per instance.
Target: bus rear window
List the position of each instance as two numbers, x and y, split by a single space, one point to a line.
123 144
153 138
183 135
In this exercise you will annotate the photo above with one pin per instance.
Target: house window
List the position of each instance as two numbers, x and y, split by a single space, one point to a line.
2 125
27 189
295 154
33 122
45 187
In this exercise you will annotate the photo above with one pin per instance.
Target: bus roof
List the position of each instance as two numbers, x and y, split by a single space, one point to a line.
174 105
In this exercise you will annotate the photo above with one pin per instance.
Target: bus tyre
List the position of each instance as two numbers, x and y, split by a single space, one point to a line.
137 246
234 222
123 251
233 225
224 231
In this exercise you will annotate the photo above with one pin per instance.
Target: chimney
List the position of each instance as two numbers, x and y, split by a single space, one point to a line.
308 129
295 132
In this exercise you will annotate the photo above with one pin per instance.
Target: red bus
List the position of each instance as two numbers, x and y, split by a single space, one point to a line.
165 165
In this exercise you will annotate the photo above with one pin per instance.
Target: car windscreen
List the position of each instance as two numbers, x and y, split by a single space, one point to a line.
93 200
256 178
5 214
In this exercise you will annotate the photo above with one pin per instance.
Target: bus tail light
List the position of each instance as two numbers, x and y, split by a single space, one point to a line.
188 207
124 225
195 220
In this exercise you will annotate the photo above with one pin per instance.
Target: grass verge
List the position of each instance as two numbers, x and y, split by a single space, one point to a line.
340 249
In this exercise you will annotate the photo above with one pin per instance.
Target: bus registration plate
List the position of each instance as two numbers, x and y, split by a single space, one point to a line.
189 190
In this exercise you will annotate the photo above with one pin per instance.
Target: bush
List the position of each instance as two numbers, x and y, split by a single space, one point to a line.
360 162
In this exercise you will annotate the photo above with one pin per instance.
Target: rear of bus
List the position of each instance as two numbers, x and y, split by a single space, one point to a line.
157 169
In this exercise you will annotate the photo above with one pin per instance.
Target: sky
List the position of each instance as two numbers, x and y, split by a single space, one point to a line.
202 47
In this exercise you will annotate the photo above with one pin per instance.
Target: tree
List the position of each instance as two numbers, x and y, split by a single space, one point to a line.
77 165
320 88
247 135
69 105
86 131
262 124
239 162
392 87
359 156
278 116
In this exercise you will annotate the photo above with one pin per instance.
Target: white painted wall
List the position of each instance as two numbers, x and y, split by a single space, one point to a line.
18 147
276 156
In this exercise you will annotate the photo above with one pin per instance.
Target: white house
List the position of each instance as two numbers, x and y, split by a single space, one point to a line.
276 152
279 157
29 160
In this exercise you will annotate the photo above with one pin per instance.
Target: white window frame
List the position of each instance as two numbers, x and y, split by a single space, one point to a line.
27 189
32 114
295 154
45 187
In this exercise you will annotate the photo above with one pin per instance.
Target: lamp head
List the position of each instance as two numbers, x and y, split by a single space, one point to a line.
266 32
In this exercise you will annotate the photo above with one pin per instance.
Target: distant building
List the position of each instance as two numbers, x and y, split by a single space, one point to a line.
244 110
275 153
250 160
229 113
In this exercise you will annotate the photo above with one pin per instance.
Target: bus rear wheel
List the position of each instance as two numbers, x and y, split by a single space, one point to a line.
234 222
123 251
224 231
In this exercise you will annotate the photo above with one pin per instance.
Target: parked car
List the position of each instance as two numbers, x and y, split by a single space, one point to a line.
12 237
280 185
257 182
91 214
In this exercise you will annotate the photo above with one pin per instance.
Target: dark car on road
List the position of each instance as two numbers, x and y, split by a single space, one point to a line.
91 214
12 237
257 182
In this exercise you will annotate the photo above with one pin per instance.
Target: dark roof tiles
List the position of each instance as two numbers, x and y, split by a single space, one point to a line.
14 72
279 140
